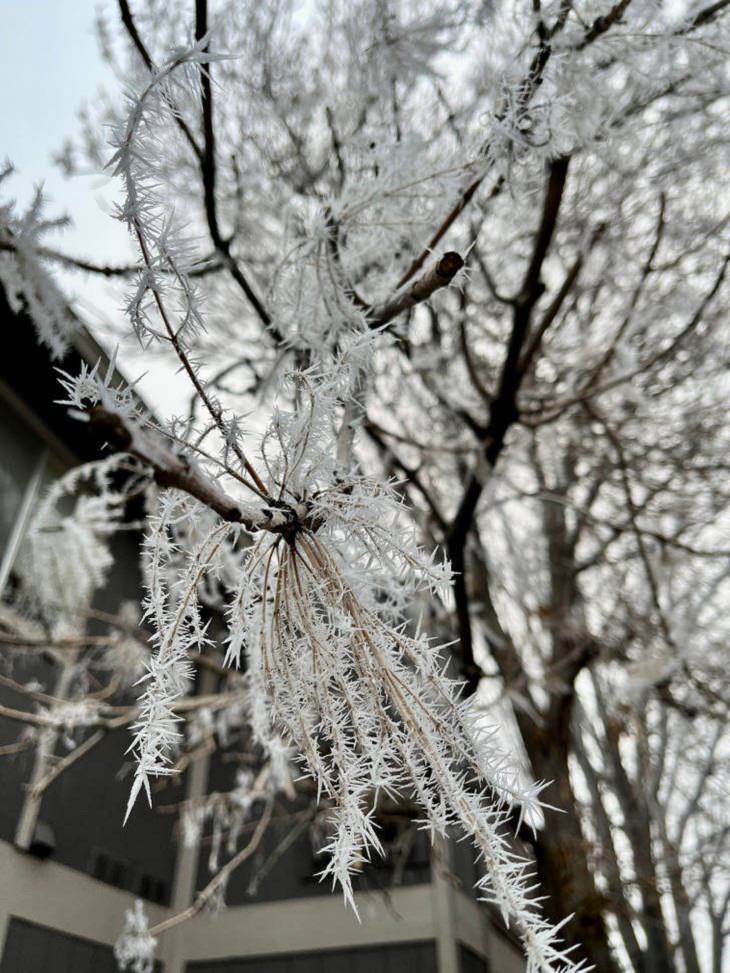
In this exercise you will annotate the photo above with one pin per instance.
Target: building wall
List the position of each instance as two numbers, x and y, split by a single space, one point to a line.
394 926
16 768
305 925
52 895
504 954
85 807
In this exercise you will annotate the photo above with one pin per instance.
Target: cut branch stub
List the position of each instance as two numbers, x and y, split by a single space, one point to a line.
438 276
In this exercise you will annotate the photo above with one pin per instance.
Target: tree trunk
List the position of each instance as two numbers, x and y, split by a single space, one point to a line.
561 854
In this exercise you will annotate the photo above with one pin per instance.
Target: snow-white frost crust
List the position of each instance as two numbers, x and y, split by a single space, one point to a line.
135 948
26 281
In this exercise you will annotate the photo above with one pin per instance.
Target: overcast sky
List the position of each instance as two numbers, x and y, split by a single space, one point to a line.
50 66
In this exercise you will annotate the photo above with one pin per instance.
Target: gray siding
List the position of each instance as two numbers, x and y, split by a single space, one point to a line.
85 808
398 958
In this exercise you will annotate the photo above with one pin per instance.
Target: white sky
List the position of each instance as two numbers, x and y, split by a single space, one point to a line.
50 66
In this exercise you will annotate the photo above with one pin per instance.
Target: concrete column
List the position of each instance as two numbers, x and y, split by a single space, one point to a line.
442 892
186 862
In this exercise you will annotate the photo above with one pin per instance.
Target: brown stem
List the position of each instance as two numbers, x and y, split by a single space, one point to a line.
175 472
503 412
438 276
206 266
238 859
131 28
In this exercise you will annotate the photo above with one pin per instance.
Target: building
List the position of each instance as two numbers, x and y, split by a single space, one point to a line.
68 871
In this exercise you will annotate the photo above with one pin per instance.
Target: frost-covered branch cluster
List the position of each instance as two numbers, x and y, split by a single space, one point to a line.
319 614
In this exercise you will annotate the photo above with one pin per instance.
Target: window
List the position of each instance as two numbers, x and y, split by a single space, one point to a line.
391 958
470 962
30 948
43 950
126 875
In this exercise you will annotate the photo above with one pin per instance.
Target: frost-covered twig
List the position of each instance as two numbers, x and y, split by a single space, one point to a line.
440 275
161 248
219 880
27 284
175 472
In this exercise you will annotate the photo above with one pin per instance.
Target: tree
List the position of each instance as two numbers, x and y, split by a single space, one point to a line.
546 397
